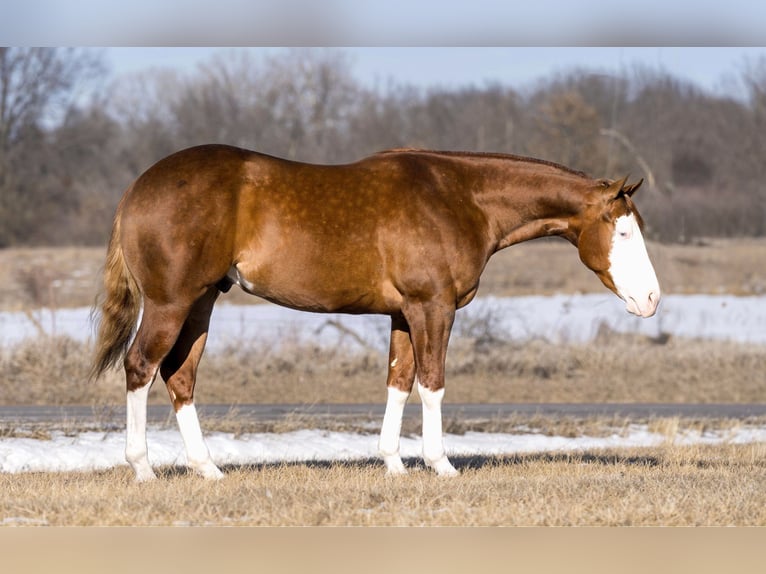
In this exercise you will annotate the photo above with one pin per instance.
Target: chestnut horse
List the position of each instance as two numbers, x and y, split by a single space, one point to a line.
404 233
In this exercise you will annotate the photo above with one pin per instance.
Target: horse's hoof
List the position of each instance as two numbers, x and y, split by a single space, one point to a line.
443 467
394 465
209 472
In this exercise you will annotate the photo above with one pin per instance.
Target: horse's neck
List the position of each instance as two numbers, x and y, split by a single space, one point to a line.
526 205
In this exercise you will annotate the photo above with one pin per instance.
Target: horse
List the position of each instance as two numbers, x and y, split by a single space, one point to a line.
404 233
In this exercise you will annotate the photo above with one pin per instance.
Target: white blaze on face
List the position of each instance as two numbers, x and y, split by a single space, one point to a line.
632 272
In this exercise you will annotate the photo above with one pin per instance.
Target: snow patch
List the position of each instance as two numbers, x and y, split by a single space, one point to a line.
557 318
88 451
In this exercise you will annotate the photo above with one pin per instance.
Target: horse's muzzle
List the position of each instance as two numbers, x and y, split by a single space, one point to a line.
643 306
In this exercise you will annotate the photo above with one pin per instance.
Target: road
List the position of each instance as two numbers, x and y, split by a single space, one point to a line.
115 415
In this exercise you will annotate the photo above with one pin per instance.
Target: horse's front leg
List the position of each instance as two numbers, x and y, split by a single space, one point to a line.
430 325
401 376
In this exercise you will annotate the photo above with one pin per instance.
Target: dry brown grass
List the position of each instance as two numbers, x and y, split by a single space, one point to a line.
619 368
662 486
32 277
70 276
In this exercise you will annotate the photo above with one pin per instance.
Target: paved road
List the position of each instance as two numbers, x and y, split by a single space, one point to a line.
160 413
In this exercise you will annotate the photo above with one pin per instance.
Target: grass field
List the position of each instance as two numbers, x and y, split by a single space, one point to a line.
670 486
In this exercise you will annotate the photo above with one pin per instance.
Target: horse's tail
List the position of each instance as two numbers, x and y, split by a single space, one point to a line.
120 305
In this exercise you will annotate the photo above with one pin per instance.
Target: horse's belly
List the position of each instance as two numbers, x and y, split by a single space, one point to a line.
318 289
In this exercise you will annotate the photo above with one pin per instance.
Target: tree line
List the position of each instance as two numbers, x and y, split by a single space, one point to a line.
65 160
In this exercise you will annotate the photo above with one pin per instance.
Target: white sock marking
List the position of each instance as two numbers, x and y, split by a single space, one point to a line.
390 432
433 445
197 453
136 451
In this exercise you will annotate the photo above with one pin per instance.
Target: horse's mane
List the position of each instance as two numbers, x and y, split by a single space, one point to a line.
489 155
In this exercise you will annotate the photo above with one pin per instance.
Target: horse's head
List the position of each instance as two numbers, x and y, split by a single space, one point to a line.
612 246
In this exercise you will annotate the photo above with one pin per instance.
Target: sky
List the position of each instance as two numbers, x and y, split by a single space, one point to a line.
375 23
713 69
538 36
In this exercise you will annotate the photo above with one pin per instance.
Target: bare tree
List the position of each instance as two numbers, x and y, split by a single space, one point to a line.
37 87
312 97
64 162
567 130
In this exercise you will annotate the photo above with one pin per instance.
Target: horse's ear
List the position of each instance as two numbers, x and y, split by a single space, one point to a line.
629 190
616 188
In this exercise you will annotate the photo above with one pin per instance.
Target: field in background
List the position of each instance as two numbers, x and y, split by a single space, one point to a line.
614 368
70 276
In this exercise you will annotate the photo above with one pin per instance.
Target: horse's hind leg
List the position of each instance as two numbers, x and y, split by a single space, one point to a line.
401 377
179 370
157 334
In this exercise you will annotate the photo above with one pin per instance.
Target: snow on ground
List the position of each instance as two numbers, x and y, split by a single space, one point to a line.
558 318
92 450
